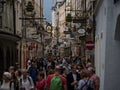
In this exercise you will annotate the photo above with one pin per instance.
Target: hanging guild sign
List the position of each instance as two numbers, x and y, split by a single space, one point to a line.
68 18
29 7
81 32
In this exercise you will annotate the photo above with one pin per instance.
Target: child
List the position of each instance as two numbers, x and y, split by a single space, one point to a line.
40 84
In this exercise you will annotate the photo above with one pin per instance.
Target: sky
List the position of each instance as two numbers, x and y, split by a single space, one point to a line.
47 10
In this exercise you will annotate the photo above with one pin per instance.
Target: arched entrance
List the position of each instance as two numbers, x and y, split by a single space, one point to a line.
117 29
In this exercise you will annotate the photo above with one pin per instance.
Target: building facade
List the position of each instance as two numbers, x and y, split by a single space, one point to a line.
107 43
35 30
9 35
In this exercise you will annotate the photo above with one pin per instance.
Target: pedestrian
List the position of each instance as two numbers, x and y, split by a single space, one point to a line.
6 82
63 61
64 72
12 69
56 81
28 64
94 78
17 66
89 64
73 78
50 71
18 76
33 72
40 64
53 64
13 80
49 64
40 84
85 83
26 82
68 67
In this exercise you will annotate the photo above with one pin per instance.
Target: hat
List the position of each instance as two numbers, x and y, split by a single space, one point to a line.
7 74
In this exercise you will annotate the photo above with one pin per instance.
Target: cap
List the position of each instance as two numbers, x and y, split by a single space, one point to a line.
7 74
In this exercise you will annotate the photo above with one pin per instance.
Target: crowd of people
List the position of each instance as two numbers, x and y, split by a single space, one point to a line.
56 73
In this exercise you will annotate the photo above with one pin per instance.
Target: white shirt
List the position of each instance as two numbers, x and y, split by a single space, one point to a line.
75 79
5 86
27 84
63 61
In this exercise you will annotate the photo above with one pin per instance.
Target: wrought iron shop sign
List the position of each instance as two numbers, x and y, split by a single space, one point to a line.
79 20
68 18
29 7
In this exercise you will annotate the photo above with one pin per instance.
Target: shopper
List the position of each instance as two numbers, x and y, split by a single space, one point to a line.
26 82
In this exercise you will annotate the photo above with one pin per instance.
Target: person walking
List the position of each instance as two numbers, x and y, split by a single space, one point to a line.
85 83
94 78
6 82
40 84
33 72
26 82
73 78
56 81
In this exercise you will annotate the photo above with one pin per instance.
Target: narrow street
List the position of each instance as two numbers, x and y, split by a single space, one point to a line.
59 44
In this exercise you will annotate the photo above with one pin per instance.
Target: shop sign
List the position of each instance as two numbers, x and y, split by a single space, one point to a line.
79 20
89 45
81 32
67 32
35 36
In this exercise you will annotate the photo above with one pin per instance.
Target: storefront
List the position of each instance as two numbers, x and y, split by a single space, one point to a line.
8 50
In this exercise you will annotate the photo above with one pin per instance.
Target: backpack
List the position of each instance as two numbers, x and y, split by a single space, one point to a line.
56 83
90 87
28 80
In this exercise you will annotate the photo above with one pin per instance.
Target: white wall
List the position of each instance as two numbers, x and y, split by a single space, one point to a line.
54 18
113 49
107 48
100 43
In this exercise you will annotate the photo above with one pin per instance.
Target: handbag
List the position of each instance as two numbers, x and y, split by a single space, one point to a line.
84 85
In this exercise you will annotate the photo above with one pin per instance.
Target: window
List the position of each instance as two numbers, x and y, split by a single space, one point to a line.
115 1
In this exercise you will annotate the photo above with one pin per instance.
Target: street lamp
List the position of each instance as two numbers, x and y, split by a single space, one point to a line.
2 2
49 29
